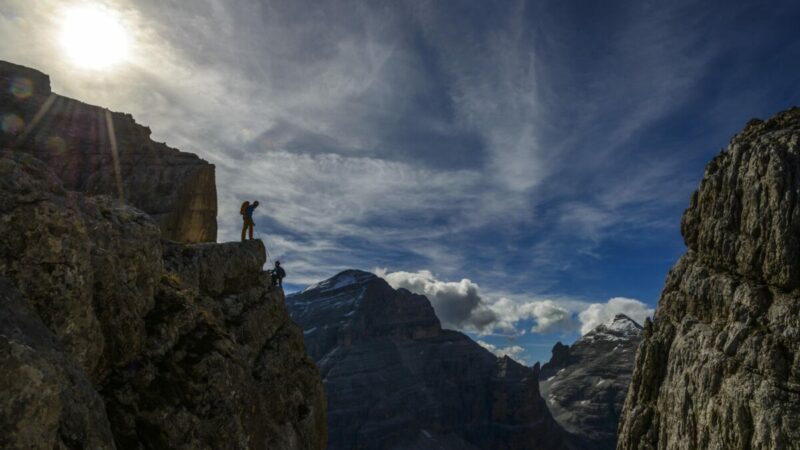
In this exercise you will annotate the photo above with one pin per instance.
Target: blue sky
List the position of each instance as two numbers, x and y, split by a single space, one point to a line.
521 162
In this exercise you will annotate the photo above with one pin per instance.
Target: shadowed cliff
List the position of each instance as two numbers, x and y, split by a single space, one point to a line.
112 336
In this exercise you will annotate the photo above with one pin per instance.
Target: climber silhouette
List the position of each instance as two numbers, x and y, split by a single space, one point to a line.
247 216
278 274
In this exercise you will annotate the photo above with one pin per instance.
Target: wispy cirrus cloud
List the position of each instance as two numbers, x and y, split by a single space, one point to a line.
539 149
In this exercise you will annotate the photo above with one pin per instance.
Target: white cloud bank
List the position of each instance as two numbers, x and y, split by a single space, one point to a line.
462 306
457 304
512 351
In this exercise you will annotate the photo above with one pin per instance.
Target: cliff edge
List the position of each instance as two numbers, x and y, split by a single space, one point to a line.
719 365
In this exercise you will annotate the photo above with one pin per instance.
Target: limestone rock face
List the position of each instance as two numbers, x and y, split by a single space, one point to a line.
396 380
584 384
87 265
111 337
95 151
719 366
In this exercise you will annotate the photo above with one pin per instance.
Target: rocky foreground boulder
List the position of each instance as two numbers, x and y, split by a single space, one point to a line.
584 384
719 366
396 380
95 151
111 337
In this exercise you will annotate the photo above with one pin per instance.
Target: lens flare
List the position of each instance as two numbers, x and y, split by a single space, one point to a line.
94 37
56 145
21 87
12 124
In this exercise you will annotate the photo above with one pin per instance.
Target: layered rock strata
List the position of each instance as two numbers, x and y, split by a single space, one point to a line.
396 380
585 383
113 338
719 366
95 151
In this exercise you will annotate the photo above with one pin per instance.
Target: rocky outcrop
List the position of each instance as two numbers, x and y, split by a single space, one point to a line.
95 151
719 366
111 337
222 361
585 384
396 380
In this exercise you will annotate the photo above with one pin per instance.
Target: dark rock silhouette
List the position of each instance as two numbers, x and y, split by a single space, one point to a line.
719 366
79 143
584 384
396 380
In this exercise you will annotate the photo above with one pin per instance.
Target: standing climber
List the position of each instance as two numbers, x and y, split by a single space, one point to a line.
247 215
278 274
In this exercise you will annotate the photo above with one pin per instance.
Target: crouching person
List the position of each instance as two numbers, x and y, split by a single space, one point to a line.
278 274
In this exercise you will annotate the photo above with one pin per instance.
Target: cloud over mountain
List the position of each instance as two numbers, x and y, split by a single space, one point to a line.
458 304
461 305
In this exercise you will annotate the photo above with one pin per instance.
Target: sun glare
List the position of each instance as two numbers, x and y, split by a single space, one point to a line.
94 37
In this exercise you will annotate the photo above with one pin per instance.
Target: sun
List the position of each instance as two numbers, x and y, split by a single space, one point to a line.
94 37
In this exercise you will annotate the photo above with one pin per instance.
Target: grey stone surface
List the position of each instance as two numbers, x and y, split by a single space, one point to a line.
719 366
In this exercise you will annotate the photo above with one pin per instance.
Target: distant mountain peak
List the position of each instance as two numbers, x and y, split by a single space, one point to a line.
621 327
623 323
342 279
582 382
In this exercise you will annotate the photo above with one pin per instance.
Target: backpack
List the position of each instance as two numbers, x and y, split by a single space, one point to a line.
243 209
